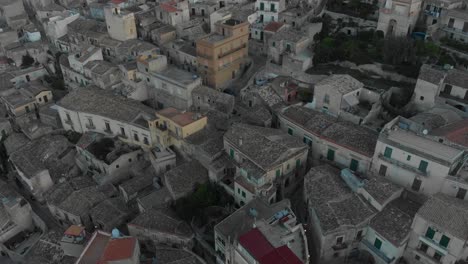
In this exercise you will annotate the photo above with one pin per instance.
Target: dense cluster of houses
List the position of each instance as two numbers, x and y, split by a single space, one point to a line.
113 112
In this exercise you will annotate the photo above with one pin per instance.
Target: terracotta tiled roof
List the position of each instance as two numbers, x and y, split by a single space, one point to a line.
169 7
273 26
74 230
118 249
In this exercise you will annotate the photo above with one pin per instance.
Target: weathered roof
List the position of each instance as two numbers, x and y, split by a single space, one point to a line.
159 221
277 146
81 201
242 220
119 249
456 132
181 118
380 188
33 157
346 134
182 179
458 78
431 74
447 213
111 212
273 26
14 142
104 103
335 204
393 223
169 255
342 83
352 136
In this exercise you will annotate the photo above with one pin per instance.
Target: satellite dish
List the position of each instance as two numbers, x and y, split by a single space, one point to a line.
425 131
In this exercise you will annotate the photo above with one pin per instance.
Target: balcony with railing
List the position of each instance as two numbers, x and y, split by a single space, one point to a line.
458 31
377 251
403 165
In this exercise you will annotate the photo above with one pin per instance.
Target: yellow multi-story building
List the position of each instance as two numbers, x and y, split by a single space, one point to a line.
172 125
221 55
26 99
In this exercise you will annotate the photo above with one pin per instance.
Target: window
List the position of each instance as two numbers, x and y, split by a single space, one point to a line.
90 122
417 257
135 137
423 247
423 166
354 165
430 233
27 109
262 6
145 140
408 158
378 243
122 131
416 184
278 173
231 153
331 154
298 163
444 241
382 170
437 256
461 193
421 98
388 152
326 99
339 240
238 190
129 160
272 8
307 140
290 131
108 127
243 194
273 44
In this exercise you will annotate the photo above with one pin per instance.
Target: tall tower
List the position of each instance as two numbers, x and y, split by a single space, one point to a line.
398 17
120 23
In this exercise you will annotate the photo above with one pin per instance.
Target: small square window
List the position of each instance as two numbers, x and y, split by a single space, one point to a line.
408 158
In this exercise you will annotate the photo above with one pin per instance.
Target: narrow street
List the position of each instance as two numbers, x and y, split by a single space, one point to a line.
257 64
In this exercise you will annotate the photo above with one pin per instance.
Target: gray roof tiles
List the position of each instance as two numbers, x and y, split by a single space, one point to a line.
333 201
447 213
104 103
342 83
346 134
158 220
277 146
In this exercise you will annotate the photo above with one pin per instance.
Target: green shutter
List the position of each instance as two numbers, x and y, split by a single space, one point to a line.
423 165
290 131
444 241
298 163
262 6
231 153
388 152
278 173
430 233
331 154
354 165
377 243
